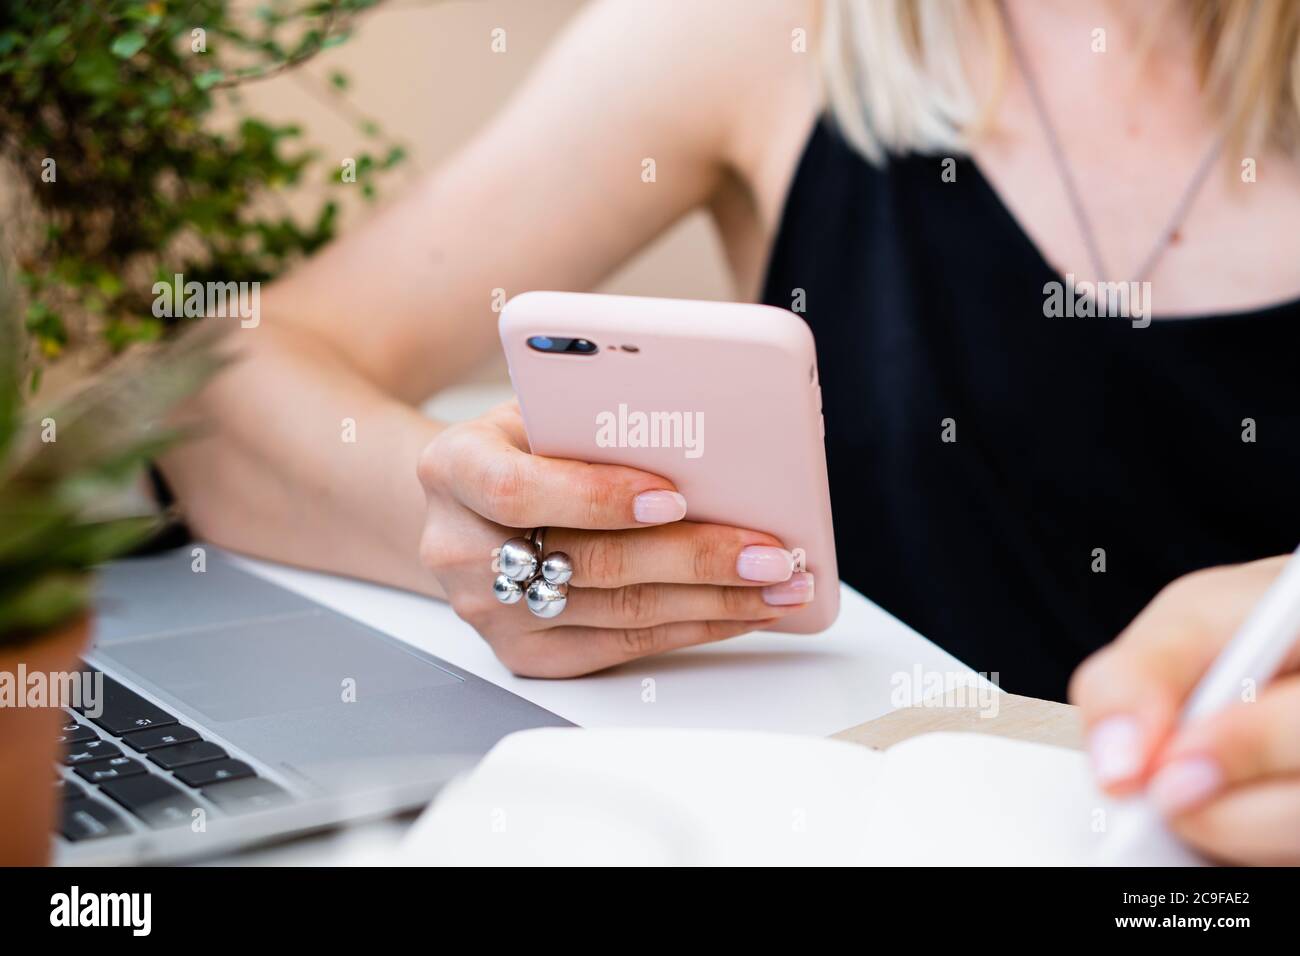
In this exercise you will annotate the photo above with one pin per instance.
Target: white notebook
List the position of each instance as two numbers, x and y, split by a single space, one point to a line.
680 797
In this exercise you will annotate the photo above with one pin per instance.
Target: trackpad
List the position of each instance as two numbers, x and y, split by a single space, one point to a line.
277 665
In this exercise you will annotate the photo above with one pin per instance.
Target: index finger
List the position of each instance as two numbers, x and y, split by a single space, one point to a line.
519 490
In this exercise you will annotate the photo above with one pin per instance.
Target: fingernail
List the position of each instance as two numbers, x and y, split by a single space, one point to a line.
658 507
798 590
1184 783
1115 746
761 563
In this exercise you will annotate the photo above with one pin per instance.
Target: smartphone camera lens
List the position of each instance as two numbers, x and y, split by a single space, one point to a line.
557 345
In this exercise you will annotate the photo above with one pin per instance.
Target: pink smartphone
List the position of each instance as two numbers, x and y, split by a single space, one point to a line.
720 397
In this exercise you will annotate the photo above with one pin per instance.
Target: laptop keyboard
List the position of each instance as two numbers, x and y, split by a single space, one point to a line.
110 757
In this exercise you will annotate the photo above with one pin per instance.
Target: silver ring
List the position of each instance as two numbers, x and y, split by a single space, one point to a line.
523 573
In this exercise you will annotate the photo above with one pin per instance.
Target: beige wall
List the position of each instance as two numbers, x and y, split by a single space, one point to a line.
426 73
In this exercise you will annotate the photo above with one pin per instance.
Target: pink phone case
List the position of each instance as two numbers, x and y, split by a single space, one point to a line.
745 447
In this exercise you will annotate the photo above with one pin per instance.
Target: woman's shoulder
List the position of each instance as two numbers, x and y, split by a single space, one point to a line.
730 70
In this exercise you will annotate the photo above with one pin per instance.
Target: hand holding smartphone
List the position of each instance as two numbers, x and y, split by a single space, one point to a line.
720 398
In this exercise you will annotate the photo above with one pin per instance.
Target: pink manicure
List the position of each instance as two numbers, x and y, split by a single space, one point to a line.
658 507
797 590
1115 745
1184 783
764 564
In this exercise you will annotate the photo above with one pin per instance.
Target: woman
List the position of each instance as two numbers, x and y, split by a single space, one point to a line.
1021 478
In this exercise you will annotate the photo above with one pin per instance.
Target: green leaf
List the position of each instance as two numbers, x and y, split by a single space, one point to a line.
47 327
27 522
395 155
111 421
90 544
43 604
128 44
108 284
94 72
209 78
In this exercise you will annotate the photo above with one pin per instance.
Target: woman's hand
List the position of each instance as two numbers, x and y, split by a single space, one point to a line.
1229 784
644 581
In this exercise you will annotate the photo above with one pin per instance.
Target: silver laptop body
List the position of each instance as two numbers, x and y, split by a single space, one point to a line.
234 711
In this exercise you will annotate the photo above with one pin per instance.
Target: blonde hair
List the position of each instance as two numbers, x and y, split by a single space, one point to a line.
896 80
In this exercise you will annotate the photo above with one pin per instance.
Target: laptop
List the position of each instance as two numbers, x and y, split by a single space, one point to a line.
233 712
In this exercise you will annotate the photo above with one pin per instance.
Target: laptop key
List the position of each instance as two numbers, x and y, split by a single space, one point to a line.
91 750
214 771
246 795
152 799
76 734
110 769
183 755
70 723
155 737
123 710
90 820
69 789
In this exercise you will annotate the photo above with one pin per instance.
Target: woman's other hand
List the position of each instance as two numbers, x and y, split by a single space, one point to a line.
1229 783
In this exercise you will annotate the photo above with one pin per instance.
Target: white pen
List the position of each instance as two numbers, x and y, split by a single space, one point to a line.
1137 833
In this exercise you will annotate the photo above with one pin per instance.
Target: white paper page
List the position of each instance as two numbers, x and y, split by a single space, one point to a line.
679 797
980 800
645 797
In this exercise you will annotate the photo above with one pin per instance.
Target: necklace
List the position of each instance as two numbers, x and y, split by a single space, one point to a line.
1189 194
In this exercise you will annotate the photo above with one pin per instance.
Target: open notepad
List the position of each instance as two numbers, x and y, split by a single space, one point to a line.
569 796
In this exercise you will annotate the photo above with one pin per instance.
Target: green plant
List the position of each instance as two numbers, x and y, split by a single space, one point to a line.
105 121
58 465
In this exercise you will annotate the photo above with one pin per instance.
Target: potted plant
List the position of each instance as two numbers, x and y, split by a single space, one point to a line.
131 156
130 160
58 467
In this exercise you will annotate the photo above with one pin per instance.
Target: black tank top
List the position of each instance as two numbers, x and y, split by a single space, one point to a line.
1093 461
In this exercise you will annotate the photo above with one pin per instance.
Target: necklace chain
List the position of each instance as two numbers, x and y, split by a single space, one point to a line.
1165 237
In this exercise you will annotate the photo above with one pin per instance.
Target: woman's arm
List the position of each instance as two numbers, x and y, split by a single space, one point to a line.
550 195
